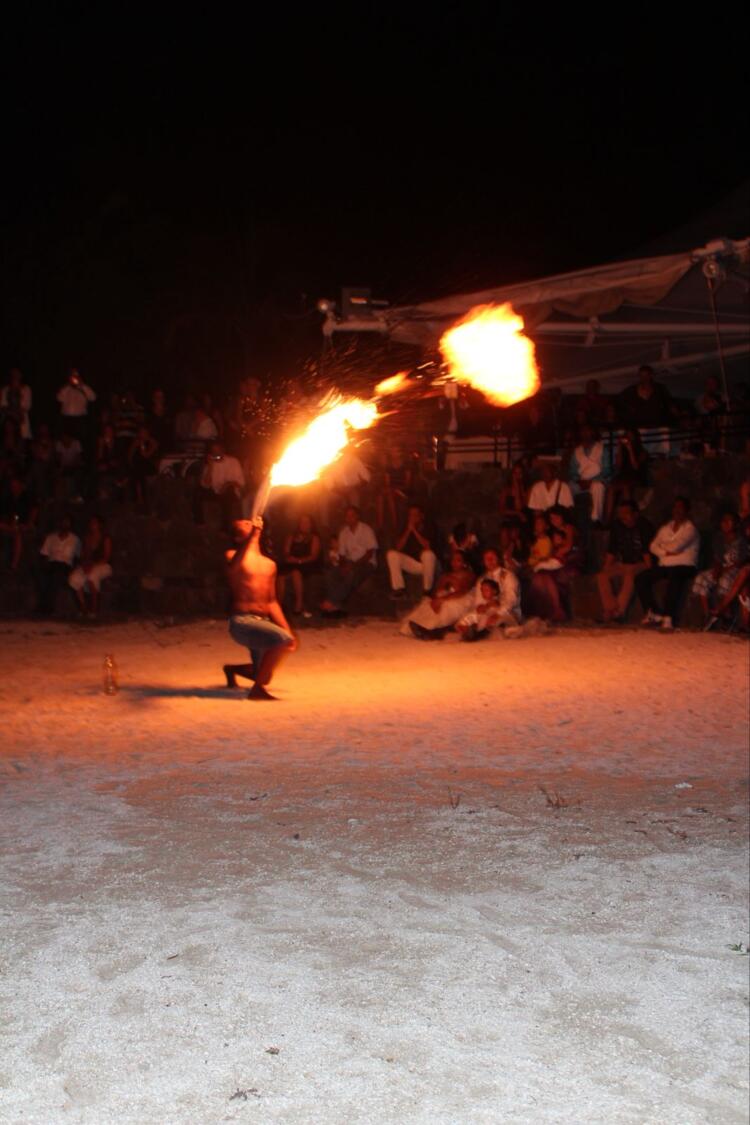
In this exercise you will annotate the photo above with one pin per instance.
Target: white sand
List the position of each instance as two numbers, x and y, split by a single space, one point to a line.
356 904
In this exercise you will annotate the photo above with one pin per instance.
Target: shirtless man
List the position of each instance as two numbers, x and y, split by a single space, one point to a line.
257 620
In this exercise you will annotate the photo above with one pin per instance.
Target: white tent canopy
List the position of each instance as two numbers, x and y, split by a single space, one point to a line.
603 322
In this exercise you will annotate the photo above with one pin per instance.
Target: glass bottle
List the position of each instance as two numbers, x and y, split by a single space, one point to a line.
110 675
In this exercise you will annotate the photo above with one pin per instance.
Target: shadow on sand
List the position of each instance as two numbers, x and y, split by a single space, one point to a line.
165 691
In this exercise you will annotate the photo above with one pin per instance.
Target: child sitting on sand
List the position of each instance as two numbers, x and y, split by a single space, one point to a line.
478 622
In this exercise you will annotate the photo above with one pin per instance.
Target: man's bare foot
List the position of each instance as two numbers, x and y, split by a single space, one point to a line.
259 692
232 671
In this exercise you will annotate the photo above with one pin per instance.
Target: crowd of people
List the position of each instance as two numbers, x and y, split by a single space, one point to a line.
101 453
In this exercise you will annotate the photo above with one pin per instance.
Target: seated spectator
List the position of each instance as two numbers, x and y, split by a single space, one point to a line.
395 488
730 555
513 508
75 398
55 563
69 454
95 565
203 433
630 469
676 546
549 590
626 556
512 552
17 514
15 403
159 421
353 560
414 553
221 477
461 539
739 590
430 622
478 622
541 544
43 464
142 462
450 600
590 470
550 491
301 558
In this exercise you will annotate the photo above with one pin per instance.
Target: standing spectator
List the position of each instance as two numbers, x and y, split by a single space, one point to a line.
395 486
414 553
15 403
70 464
159 421
353 560
221 477
184 424
127 417
342 485
95 565
676 546
110 468
75 398
537 428
12 449
43 464
213 412
626 556
593 405
647 405
630 469
730 553
204 431
590 469
17 515
58 553
513 507
711 400
550 491
301 558
142 462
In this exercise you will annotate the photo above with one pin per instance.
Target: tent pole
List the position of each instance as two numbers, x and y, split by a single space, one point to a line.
711 282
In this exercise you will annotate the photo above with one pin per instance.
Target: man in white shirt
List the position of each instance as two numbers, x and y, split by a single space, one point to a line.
58 553
550 490
676 546
414 553
222 477
590 470
355 559
74 398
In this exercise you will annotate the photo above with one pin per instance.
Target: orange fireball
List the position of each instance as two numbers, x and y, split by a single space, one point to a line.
487 350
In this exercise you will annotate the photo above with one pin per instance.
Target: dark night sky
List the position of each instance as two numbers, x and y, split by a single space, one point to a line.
163 177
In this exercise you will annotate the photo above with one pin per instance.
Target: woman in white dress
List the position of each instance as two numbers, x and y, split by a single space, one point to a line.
449 601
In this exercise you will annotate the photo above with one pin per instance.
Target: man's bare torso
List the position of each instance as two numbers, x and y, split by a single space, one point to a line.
253 584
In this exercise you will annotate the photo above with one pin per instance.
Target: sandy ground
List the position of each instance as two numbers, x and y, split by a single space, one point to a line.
433 883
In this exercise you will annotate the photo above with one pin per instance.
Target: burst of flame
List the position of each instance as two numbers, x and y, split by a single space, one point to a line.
487 350
392 385
304 459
